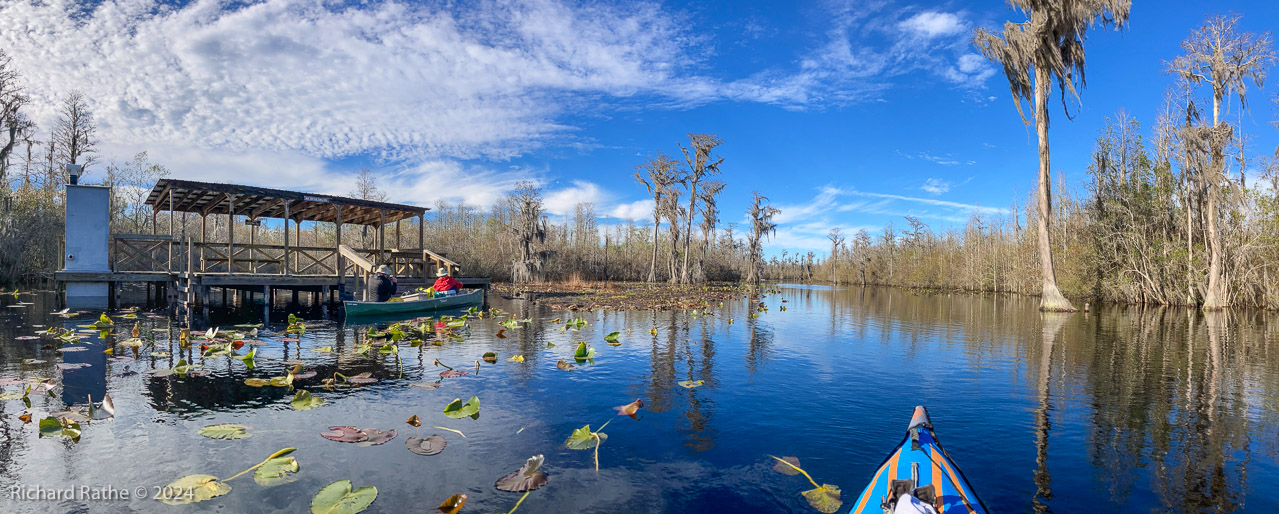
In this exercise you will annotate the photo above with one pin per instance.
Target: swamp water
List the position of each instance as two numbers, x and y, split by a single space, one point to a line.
1118 410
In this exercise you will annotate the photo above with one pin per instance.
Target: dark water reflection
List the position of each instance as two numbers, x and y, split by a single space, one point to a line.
1121 410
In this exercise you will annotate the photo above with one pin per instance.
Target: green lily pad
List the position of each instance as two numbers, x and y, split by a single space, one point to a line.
490 357
257 382
304 400
280 470
194 488
584 439
456 409
583 352
612 338
225 431
63 427
339 498
824 499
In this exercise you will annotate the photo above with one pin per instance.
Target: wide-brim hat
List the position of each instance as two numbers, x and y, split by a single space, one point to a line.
384 269
442 272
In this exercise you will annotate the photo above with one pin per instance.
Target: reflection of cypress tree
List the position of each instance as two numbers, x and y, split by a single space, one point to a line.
700 410
1052 323
661 372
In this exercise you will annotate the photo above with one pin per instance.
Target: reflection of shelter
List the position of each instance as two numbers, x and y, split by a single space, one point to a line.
188 263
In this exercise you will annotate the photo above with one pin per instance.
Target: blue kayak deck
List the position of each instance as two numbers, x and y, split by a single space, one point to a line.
934 468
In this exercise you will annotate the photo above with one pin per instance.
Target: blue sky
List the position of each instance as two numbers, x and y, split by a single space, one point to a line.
849 114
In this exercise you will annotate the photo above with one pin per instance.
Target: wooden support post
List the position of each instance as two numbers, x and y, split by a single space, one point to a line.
230 235
284 265
341 266
397 235
421 232
381 237
297 258
266 304
170 230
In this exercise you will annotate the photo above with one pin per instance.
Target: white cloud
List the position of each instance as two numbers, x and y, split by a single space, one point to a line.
934 24
935 186
564 201
944 160
639 211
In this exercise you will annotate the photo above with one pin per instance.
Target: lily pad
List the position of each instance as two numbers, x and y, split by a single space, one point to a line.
456 409
257 382
304 400
33 361
689 384
630 409
612 338
824 499
790 470
377 436
362 378
62 426
584 439
426 386
226 431
583 352
564 366
63 366
339 498
72 349
452 373
194 488
453 504
490 357
414 421
345 435
280 470
429 446
525 479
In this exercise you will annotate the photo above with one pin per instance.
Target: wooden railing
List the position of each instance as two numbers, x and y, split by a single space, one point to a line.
141 252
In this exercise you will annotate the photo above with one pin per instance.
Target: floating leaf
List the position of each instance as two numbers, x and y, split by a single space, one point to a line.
414 421
108 405
456 409
276 471
225 431
452 373
527 478
326 349
63 366
689 384
345 435
516 358
257 382
824 499
429 446
362 378
789 470
490 357
377 436
584 439
612 338
564 365
426 386
26 418
339 498
583 352
453 504
304 400
630 409
33 361
501 334
161 355
193 488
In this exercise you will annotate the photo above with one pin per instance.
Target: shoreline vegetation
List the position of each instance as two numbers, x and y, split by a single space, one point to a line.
1184 213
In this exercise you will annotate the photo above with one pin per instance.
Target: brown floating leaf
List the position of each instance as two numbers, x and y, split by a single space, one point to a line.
429 446
26 418
288 339
824 499
362 378
452 373
787 470
426 386
501 334
304 375
630 409
413 420
525 479
377 436
564 366
453 504
345 435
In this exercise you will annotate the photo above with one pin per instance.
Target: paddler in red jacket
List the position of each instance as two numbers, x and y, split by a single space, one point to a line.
445 283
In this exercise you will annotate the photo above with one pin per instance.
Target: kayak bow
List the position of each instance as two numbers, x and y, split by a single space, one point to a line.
919 469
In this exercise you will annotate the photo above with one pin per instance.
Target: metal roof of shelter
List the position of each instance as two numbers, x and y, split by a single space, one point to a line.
207 198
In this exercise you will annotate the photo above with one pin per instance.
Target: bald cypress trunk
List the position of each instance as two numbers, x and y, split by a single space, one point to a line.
1051 299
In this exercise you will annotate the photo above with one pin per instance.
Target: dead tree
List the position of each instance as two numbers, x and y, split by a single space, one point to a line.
700 166
76 131
658 175
13 123
761 215
1227 60
529 228
710 217
1045 49
836 240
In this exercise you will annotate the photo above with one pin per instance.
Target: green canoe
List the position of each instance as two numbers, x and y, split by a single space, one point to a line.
463 300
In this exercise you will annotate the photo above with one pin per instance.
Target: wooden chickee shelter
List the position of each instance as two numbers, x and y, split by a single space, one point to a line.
186 265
